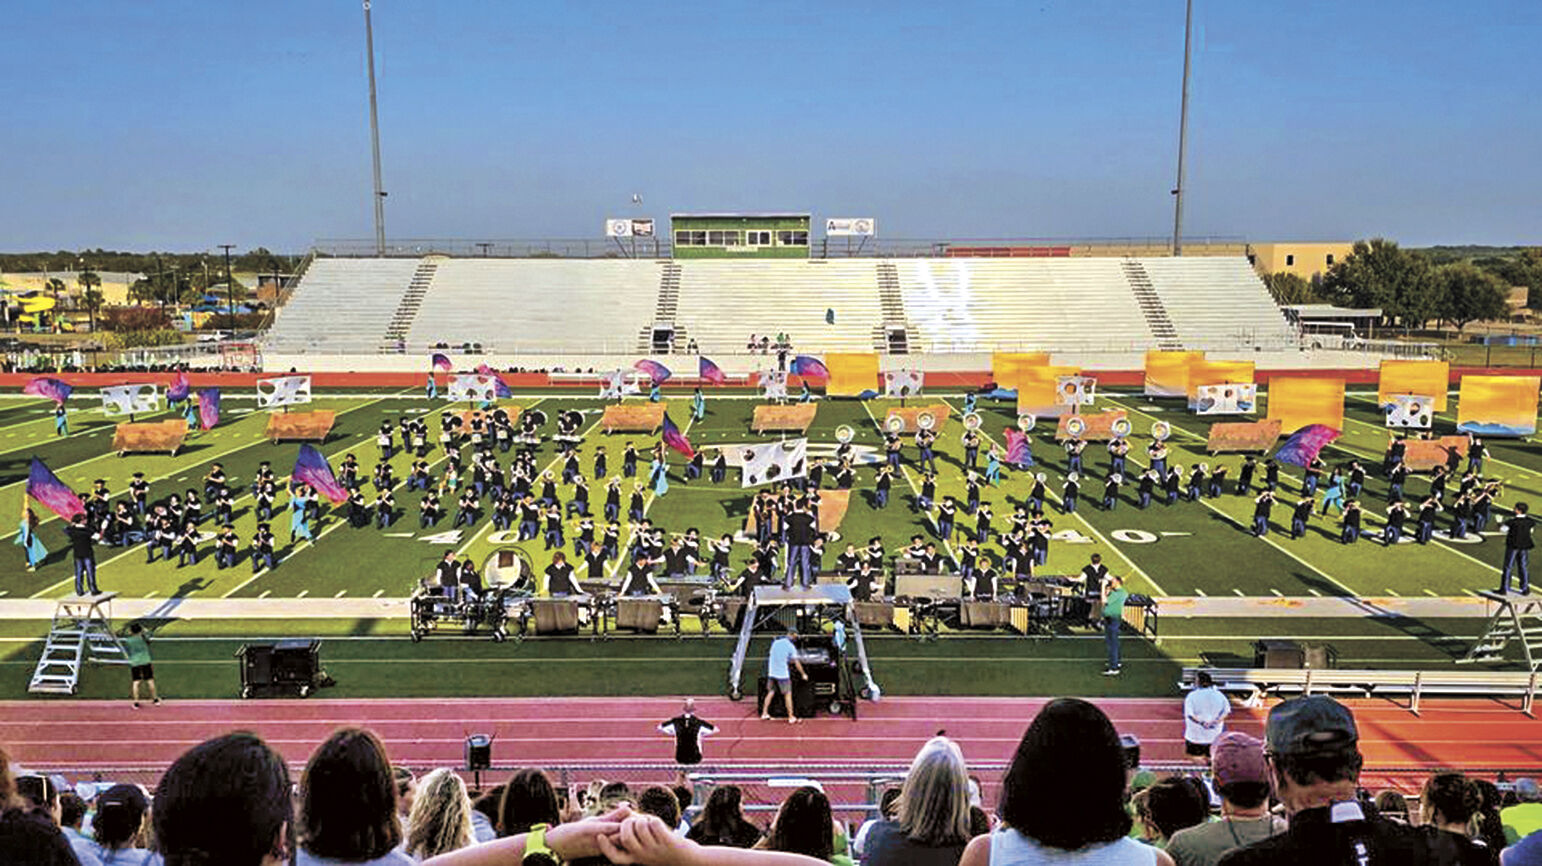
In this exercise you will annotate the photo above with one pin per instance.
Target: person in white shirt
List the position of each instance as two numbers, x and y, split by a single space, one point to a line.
1204 715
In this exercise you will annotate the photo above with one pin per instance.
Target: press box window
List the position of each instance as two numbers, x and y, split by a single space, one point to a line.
723 239
758 238
792 238
690 239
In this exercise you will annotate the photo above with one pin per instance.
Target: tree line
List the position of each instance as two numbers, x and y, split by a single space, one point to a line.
1413 288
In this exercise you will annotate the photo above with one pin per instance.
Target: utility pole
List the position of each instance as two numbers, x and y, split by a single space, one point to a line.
1183 131
374 133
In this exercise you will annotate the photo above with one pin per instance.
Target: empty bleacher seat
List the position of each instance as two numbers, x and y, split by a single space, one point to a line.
723 302
341 306
1218 302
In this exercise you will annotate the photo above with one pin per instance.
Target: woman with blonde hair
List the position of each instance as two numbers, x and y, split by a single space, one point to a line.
932 826
440 820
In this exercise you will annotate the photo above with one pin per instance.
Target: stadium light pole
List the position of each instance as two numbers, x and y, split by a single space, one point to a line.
230 288
1183 131
374 133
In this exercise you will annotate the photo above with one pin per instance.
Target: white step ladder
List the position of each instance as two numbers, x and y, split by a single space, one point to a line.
81 632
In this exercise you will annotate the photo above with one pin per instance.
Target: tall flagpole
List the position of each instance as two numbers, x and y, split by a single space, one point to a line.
374 133
1183 130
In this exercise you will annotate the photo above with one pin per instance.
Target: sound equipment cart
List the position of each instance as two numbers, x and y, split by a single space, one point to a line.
829 601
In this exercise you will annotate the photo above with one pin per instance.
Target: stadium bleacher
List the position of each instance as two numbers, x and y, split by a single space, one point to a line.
342 306
537 305
722 303
971 305
1218 303
553 307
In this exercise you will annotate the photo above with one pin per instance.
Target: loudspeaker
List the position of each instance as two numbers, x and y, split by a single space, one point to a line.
479 752
802 698
288 668
1321 656
1280 654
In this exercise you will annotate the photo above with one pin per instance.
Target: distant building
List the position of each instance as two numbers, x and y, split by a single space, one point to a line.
1310 261
740 235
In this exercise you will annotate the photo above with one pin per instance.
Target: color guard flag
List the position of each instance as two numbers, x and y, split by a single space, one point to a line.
1305 444
656 371
1018 451
711 372
501 390
53 389
676 440
809 367
45 487
179 388
208 408
311 468
441 362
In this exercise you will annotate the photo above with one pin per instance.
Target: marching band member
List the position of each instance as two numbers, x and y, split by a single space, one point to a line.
1111 491
639 578
1261 508
1172 484
1216 479
1300 515
560 582
1351 522
1068 493
971 448
1148 482
866 584
1245 476
1397 512
1425 528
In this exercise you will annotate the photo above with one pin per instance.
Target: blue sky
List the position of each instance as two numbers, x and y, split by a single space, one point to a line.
180 125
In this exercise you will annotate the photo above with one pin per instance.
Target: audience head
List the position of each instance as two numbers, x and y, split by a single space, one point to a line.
8 798
224 801
614 794
72 809
723 811
804 825
1526 790
348 798
1313 749
934 803
1065 785
655 800
528 799
684 796
1449 798
406 789
440 820
120 815
1240 771
1392 804
888 804
1172 804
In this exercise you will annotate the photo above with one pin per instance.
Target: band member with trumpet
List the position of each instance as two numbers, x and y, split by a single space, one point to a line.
1299 515
928 492
1392 533
1351 525
1216 479
971 492
1395 480
719 470
1197 481
1036 493
1271 474
982 523
1118 450
947 513
925 440
1245 476
1068 493
1148 483
1172 484
882 485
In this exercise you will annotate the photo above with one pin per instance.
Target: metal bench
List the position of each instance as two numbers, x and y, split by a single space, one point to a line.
1370 683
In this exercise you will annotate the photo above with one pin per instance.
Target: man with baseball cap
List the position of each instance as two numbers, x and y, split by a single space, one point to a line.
1312 748
1242 779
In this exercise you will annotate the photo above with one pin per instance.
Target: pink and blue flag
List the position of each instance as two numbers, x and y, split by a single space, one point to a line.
311 468
711 372
656 371
809 367
44 486
441 362
179 388
1305 444
1019 452
501 390
676 439
208 408
53 389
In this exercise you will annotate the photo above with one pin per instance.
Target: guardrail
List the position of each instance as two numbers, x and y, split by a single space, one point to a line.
1371 683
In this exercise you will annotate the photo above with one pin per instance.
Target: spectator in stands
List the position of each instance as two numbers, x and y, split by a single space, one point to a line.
72 811
528 799
1241 778
406 792
1490 828
120 827
614 794
660 801
226 801
27 834
1393 806
888 810
805 826
684 797
484 815
348 804
1314 758
1527 852
1446 806
1173 804
722 821
933 824
1062 799
440 820
1525 817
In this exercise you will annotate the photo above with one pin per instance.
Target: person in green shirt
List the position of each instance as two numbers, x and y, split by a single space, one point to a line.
1114 595
137 646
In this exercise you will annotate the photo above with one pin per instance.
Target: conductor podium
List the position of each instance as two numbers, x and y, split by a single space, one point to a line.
832 681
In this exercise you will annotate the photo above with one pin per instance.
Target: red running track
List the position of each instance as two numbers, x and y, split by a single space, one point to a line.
83 735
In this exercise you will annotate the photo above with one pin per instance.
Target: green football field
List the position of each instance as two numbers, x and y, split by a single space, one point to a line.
1198 549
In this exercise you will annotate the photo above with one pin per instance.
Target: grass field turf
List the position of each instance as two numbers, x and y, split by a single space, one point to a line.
1186 549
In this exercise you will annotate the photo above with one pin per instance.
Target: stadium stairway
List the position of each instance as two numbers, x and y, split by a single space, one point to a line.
665 312
411 302
1151 306
893 336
